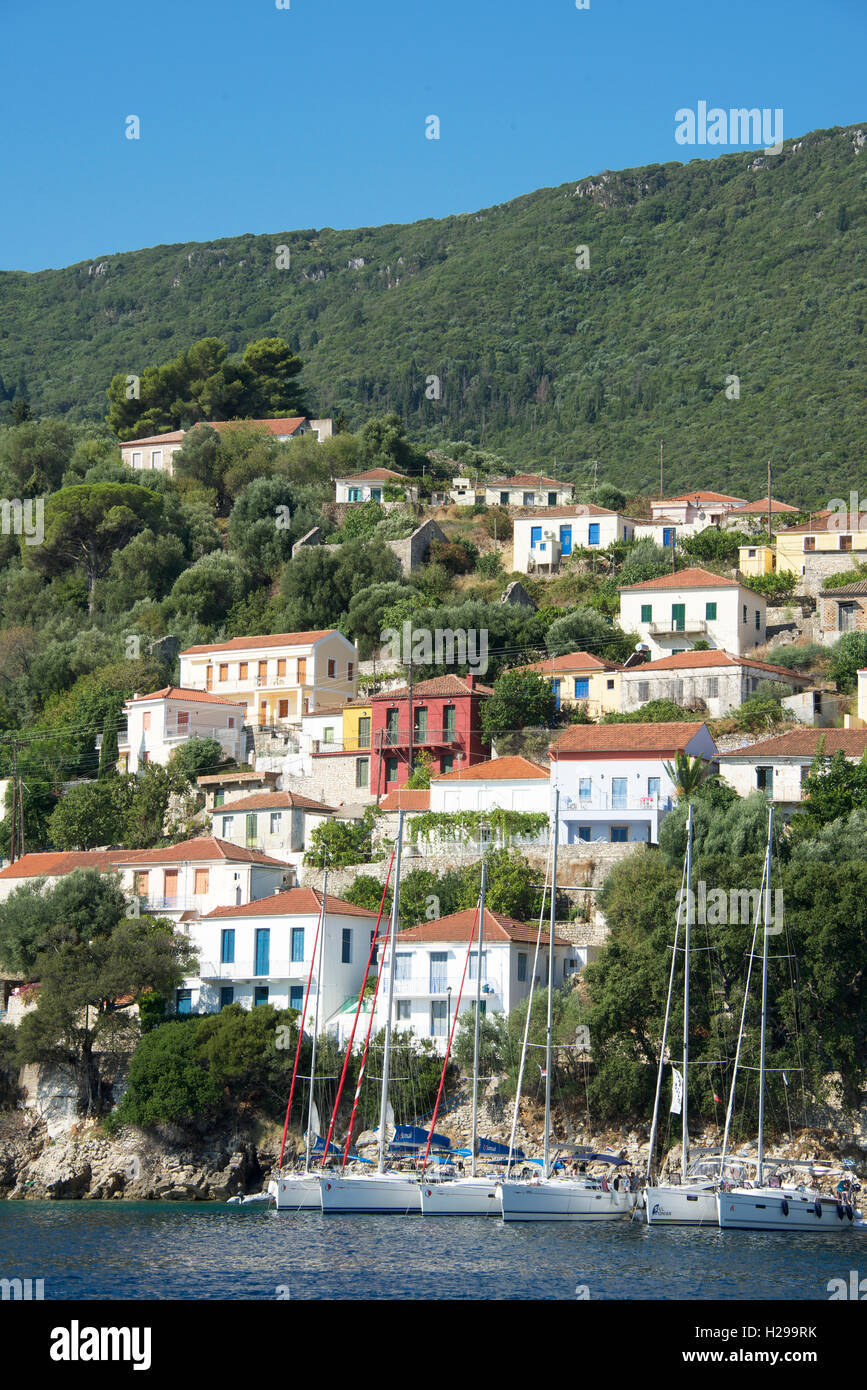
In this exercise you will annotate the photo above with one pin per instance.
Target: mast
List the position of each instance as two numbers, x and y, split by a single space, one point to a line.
476 1035
655 1121
684 1158
395 909
765 923
316 1019
550 1024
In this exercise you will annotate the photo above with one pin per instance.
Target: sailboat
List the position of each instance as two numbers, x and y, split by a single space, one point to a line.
775 1204
383 1191
691 1201
477 1194
300 1191
549 1198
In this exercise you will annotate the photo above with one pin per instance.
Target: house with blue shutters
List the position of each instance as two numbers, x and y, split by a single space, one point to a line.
544 538
261 953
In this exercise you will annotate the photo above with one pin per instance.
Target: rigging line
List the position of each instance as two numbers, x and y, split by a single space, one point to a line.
662 1061
533 978
752 957
301 1035
364 1053
470 944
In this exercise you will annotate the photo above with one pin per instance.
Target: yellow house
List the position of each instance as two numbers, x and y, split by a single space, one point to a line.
356 726
830 542
579 678
279 677
755 559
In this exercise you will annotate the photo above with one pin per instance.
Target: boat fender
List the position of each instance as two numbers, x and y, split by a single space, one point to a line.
604 1184
817 1207
328 1186
784 1207
849 1212
841 1210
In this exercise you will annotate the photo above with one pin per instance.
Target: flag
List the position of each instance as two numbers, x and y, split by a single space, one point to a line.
676 1091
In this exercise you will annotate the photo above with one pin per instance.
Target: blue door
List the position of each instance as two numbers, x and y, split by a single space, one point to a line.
535 536
668 535
227 995
593 533
296 997
556 686
565 540
263 950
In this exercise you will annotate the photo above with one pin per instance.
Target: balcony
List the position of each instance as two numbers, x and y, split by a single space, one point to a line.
423 987
336 745
616 801
672 628
421 738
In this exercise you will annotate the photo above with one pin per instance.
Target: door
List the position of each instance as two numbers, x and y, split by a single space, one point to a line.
251 829
449 723
209 677
565 540
391 728
171 887
364 732
535 537
263 950
302 670
438 971
557 692
678 617
420 721
618 791
262 673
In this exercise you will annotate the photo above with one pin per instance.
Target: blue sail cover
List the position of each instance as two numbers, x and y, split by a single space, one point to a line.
491 1149
414 1137
334 1151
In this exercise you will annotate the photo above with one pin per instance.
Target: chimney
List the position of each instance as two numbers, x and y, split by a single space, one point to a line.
470 682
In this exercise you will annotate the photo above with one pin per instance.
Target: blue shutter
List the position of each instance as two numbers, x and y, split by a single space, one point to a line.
593 533
263 950
535 535
582 687
227 946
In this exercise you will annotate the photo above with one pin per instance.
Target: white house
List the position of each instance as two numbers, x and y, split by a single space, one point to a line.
261 953
715 679
545 538
154 452
371 485
662 530
279 823
694 511
463 492
778 766
672 611
528 490
429 963
612 779
176 881
277 678
158 723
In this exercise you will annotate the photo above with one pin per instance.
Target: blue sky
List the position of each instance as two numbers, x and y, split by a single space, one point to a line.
255 119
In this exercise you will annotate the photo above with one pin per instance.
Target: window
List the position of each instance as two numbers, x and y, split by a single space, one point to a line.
653 786
646 612
522 967
364 731
619 834
281 666
332 669
555 686
242 670
845 542
297 944
678 617
390 770
362 772
449 722
438 971
676 692
618 791
578 834
328 734
403 965
609 685
593 533
745 613
201 882
219 798
260 995
847 614
439 1018
758 620
643 692
228 823
354 494
809 543
391 726
765 779
447 762
146 719
552 499
474 956
419 720
712 687
504 499
350 670
136 458
263 672
184 1001
582 687
282 709
346 946
276 822
529 498
376 494
183 721
585 788
223 671
751 554
296 997
710 612
227 946
156 458
227 995
263 950
403 1011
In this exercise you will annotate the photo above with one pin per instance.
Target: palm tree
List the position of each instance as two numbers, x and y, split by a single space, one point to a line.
688 774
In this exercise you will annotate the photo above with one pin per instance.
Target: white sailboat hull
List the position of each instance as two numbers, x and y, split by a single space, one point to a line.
374 1193
461 1197
681 1206
296 1192
562 1199
764 1209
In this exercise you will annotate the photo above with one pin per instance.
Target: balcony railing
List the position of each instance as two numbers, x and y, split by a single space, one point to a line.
615 801
425 987
671 626
336 745
399 738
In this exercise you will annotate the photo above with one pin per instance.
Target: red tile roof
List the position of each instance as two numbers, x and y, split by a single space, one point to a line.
625 738
529 480
272 801
179 692
294 902
760 508
460 926
856 590
406 799
692 660
203 847
825 520
274 639
55 862
374 475
439 685
284 424
496 770
573 509
692 578
172 437
804 742
571 661
701 497
237 776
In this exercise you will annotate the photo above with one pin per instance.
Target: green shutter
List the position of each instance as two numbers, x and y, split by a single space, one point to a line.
646 612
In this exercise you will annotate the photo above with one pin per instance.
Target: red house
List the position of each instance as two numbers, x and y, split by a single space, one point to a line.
444 721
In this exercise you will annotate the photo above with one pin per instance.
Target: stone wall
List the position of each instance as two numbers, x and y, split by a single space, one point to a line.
413 550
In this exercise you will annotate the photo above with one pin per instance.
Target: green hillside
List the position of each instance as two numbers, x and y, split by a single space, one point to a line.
751 265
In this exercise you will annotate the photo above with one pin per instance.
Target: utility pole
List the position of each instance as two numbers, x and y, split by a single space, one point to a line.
595 472
661 493
14 804
770 537
410 720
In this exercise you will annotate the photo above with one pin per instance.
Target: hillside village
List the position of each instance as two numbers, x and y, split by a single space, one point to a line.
627 649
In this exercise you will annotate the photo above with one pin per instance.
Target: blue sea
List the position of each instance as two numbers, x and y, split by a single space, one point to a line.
149 1250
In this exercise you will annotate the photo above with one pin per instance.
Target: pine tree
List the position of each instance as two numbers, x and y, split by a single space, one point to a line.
108 753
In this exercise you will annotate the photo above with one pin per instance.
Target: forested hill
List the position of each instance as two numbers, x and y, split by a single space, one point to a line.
749 265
